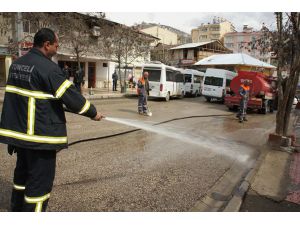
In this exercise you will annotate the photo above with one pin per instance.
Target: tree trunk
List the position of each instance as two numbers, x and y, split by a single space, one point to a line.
287 89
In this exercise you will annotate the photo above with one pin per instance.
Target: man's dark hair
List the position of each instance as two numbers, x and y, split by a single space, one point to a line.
43 35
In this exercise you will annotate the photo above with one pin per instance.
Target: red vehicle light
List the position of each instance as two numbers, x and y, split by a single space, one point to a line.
161 86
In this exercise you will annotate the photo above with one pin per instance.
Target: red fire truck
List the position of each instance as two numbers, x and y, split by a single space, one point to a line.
262 91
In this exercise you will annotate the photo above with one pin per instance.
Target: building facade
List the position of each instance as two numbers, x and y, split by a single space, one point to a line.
212 31
97 66
185 56
247 42
166 37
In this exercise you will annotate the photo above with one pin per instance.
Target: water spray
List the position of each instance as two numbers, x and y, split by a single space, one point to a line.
216 145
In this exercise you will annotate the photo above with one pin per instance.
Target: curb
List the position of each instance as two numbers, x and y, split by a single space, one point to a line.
105 96
221 194
234 204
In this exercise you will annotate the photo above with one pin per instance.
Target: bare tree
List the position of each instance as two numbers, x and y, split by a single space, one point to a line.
75 33
286 42
126 45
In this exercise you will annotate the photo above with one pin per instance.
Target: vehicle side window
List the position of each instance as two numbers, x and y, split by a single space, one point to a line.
228 82
197 79
214 81
179 77
188 78
169 75
154 74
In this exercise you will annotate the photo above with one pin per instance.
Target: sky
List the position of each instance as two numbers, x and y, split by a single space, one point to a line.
186 21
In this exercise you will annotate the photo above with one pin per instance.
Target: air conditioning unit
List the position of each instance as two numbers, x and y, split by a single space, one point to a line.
96 31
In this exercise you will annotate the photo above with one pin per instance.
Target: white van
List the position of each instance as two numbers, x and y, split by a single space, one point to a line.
216 82
164 81
193 82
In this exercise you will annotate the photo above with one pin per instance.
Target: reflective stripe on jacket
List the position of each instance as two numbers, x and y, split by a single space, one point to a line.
244 91
33 115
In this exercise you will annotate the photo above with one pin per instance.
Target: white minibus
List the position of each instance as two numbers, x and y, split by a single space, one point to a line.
193 82
164 81
216 82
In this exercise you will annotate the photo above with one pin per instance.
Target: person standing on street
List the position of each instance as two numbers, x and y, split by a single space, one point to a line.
33 122
66 71
78 79
143 92
115 80
244 93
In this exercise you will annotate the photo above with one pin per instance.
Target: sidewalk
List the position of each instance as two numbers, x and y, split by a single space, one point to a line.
274 185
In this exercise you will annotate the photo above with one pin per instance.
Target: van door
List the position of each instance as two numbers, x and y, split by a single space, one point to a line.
170 84
213 87
154 80
197 82
188 82
179 80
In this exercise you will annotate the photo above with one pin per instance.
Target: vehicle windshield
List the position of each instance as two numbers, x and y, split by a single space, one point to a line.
154 74
214 81
188 78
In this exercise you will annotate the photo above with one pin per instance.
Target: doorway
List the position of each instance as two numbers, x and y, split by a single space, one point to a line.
91 74
2 72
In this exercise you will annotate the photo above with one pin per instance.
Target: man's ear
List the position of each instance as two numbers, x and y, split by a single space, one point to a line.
47 44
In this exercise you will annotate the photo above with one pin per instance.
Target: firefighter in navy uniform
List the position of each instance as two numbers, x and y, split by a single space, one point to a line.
33 121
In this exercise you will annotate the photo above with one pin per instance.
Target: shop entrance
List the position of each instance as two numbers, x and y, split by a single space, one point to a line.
73 66
2 72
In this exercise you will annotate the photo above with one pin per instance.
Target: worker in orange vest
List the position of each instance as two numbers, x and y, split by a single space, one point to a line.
244 93
143 92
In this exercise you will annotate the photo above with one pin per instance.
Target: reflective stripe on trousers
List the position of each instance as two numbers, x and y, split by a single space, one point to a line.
38 201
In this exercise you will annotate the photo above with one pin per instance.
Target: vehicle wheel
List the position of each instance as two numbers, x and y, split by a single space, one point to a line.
167 98
196 94
208 99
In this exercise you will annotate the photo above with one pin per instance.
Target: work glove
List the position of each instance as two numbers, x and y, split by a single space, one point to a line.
11 149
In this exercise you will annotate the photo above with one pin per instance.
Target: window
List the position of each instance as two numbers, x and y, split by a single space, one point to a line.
228 39
188 78
203 36
229 45
179 77
26 26
195 53
197 79
240 38
170 75
214 81
34 27
154 74
228 82
185 53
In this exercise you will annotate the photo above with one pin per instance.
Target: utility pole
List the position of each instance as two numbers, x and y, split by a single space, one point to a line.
19 31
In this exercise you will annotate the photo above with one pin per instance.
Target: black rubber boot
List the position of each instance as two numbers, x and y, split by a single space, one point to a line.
17 200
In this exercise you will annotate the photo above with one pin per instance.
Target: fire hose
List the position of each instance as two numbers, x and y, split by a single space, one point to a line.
138 129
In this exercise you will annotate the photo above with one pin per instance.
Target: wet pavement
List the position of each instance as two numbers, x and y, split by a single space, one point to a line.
148 171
